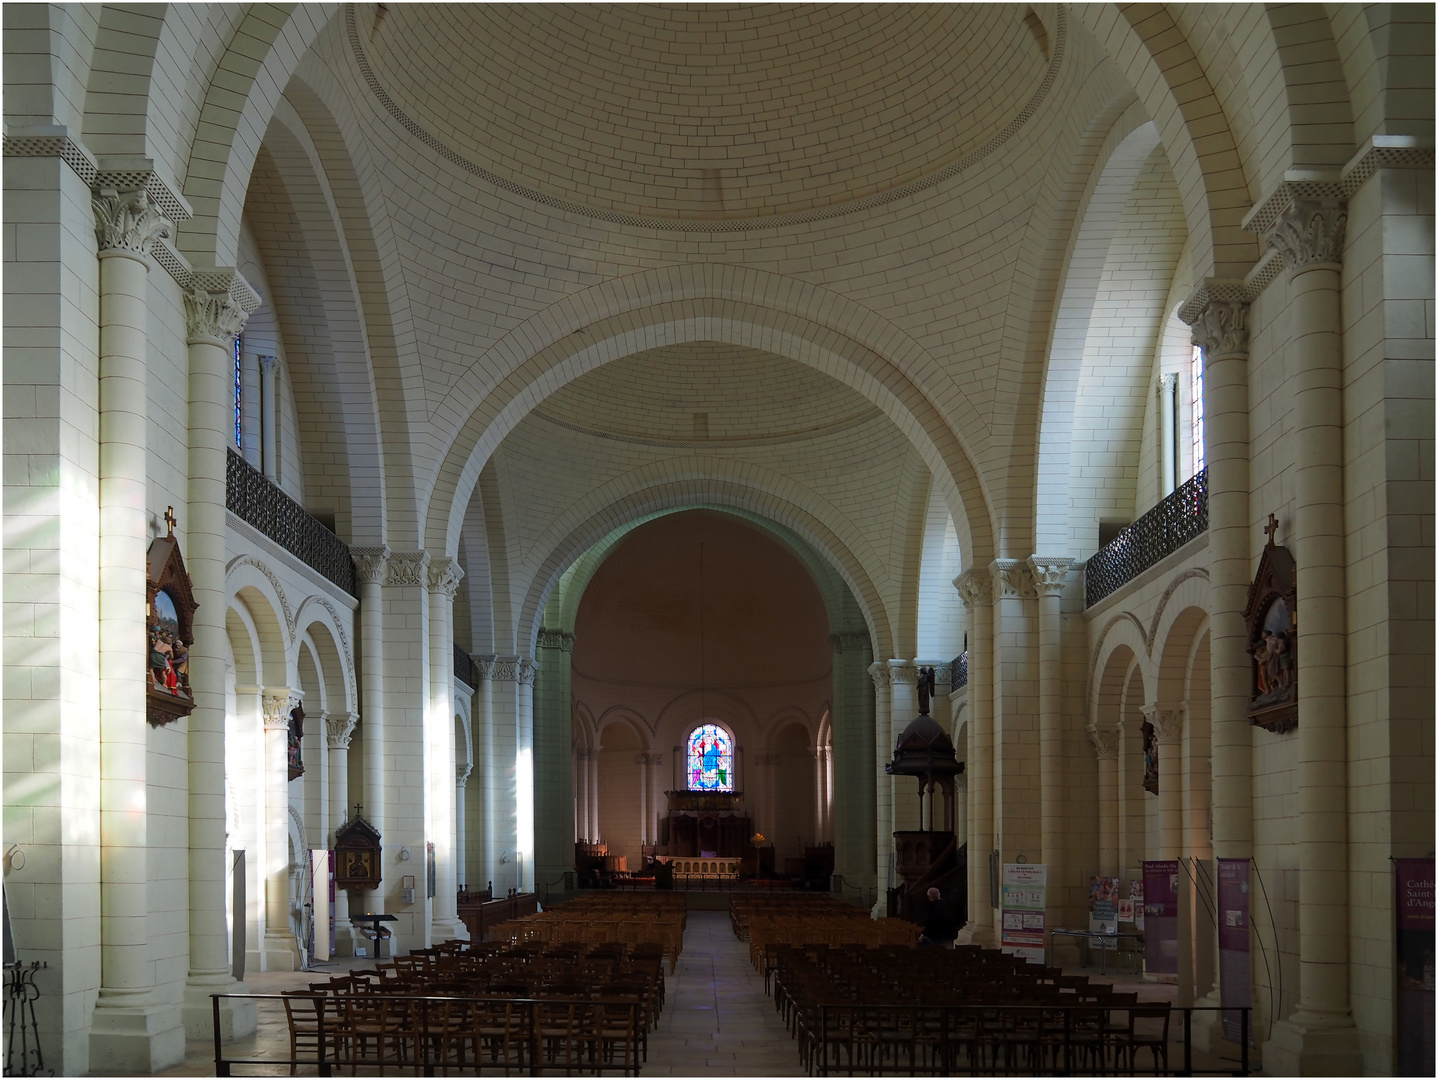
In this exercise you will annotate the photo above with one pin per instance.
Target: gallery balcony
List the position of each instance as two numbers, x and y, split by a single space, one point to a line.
1178 519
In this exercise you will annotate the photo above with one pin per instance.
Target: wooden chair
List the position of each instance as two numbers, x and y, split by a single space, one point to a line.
1147 1030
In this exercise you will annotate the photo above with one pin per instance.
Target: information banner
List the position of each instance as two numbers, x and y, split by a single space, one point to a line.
1025 894
1135 893
1103 912
1415 966
1235 963
1160 909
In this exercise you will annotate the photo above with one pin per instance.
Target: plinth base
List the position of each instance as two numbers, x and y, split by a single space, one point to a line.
237 1016
136 1039
1307 1046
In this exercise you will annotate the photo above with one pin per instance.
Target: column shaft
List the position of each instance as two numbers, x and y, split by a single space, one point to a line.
371 568
976 589
443 577
269 433
339 729
1049 576
883 791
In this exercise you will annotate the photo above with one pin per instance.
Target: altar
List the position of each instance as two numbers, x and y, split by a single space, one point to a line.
706 825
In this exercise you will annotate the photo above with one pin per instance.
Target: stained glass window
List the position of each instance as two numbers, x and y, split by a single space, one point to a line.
239 390
711 759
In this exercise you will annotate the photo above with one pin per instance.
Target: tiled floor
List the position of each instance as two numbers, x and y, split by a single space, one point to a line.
717 1020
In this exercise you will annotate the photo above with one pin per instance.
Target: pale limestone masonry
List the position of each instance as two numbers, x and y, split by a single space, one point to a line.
532 299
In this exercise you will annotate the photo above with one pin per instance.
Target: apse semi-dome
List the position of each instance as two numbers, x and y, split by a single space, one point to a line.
733 111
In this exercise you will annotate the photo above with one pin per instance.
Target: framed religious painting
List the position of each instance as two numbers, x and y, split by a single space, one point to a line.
1271 617
357 855
169 630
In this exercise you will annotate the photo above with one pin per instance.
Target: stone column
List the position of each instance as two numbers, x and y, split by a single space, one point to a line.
641 763
855 774
1168 449
269 431
371 570
524 802
976 589
131 1031
486 854
215 311
1197 844
1218 313
461 825
1320 1036
1105 748
821 772
581 793
1168 743
442 579
1017 802
1049 576
883 791
279 950
553 764
339 729
903 707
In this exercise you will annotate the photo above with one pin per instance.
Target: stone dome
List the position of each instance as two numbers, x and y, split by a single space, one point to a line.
706 111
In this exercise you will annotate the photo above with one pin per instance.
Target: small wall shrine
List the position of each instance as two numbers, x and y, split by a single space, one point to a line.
357 854
169 617
1271 616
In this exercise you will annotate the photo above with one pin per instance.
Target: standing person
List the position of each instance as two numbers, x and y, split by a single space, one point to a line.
938 929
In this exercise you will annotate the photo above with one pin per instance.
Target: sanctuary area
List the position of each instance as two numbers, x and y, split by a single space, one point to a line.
466 455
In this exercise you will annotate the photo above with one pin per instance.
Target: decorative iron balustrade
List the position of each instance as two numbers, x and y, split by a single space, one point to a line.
258 501
1179 518
464 667
959 672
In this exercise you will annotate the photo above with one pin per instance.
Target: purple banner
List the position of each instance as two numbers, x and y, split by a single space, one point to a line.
1414 919
1160 910
1235 970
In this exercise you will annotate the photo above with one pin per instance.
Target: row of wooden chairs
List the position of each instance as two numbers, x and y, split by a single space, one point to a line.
973 1010
743 908
589 925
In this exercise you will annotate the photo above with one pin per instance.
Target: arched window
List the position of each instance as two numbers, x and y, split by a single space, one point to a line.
710 759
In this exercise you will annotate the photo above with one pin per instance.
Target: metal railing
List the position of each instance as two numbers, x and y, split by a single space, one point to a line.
959 672
464 668
256 500
1179 518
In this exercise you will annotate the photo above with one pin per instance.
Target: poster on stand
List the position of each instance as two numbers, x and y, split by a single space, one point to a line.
1102 912
1415 966
1135 893
1160 910
1024 920
1235 971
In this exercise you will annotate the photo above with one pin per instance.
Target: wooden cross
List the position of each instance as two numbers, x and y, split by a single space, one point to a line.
170 519
1271 529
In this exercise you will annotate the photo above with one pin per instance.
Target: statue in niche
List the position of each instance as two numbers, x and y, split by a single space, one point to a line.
1271 615
169 624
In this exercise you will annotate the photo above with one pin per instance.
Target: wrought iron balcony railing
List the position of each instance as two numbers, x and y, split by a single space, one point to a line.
959 671
464 667
1179 518
257 501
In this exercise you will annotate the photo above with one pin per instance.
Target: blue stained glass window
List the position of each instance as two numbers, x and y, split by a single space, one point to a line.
239 391
710 759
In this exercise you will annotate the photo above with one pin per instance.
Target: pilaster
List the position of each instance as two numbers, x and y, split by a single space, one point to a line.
976 589
1017 798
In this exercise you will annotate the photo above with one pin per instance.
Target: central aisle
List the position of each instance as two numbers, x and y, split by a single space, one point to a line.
717 1020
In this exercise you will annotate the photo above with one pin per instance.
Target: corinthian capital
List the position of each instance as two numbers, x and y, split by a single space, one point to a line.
1167 723
526 672
555 639
339 729
444 576
1310 233
408 567
849 640
213 316
1049 573
904 672
370 564
276 706
128 223
975 588
1105 744
1011 578
880 674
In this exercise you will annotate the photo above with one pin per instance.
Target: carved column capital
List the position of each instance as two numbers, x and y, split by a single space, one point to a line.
408 568
339 729
880 674
903 672
525 671
555 639
849 640
461 773
444 576
128 223
267 363
1167 723
504 668
1105 744
483 666
1168 382
371 564
276 706
1012 579
1310 233
975 588
214 317
1217 311
1049 573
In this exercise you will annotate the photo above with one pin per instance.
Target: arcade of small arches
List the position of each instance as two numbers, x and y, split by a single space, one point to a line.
531 479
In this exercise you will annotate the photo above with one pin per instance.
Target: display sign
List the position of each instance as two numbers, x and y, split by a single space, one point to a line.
1025 895
1235 970
1135 893
1415 966
1160 909
1103 912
